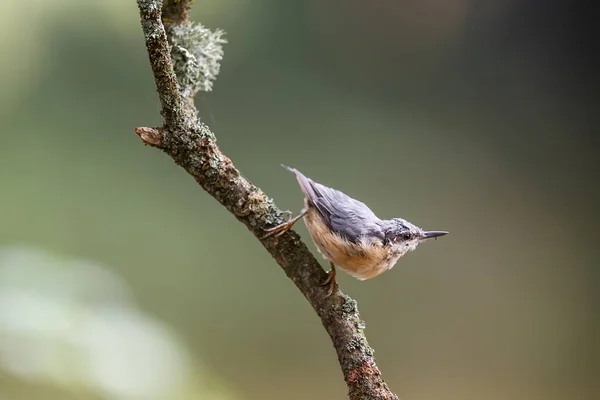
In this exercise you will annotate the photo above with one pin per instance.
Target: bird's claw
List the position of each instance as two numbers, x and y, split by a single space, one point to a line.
278 230
284 227
331 282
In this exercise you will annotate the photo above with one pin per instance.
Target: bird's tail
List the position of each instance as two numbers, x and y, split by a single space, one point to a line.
306 184
294 170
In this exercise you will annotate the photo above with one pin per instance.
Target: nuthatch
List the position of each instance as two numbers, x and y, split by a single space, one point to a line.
349 235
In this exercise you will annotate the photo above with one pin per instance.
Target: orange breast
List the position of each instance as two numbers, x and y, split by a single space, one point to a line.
363 261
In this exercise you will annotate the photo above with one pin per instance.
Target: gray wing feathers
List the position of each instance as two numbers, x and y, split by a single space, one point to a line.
350 218
353 225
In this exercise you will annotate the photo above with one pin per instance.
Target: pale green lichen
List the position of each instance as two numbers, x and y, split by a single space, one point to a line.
197 53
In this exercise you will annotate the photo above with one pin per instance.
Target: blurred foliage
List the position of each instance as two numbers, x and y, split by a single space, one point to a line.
72 324
472 117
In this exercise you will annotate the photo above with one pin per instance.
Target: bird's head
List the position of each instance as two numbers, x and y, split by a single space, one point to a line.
404 237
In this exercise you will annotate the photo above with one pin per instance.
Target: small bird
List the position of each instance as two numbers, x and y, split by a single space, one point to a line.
349 235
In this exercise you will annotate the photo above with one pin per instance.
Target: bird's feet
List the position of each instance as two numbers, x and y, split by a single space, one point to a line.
279 229
330 281
284 227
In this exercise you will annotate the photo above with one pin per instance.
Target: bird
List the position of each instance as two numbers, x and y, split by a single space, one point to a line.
349 235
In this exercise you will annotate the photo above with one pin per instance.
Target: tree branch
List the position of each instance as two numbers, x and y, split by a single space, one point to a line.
192 145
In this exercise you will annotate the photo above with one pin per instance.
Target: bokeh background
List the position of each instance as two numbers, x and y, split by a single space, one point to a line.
121 279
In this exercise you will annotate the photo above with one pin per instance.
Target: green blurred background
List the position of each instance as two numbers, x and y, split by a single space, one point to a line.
472 117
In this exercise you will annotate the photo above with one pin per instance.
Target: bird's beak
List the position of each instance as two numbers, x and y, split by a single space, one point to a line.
433 234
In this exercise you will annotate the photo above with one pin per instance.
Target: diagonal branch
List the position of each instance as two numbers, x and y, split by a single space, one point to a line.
192 145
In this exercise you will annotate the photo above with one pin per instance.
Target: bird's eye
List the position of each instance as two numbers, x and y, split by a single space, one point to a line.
406 236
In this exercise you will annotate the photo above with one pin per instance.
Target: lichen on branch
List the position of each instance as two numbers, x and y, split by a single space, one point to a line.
197 53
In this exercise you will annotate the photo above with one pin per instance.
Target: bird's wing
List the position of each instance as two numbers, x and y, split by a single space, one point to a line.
350 218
